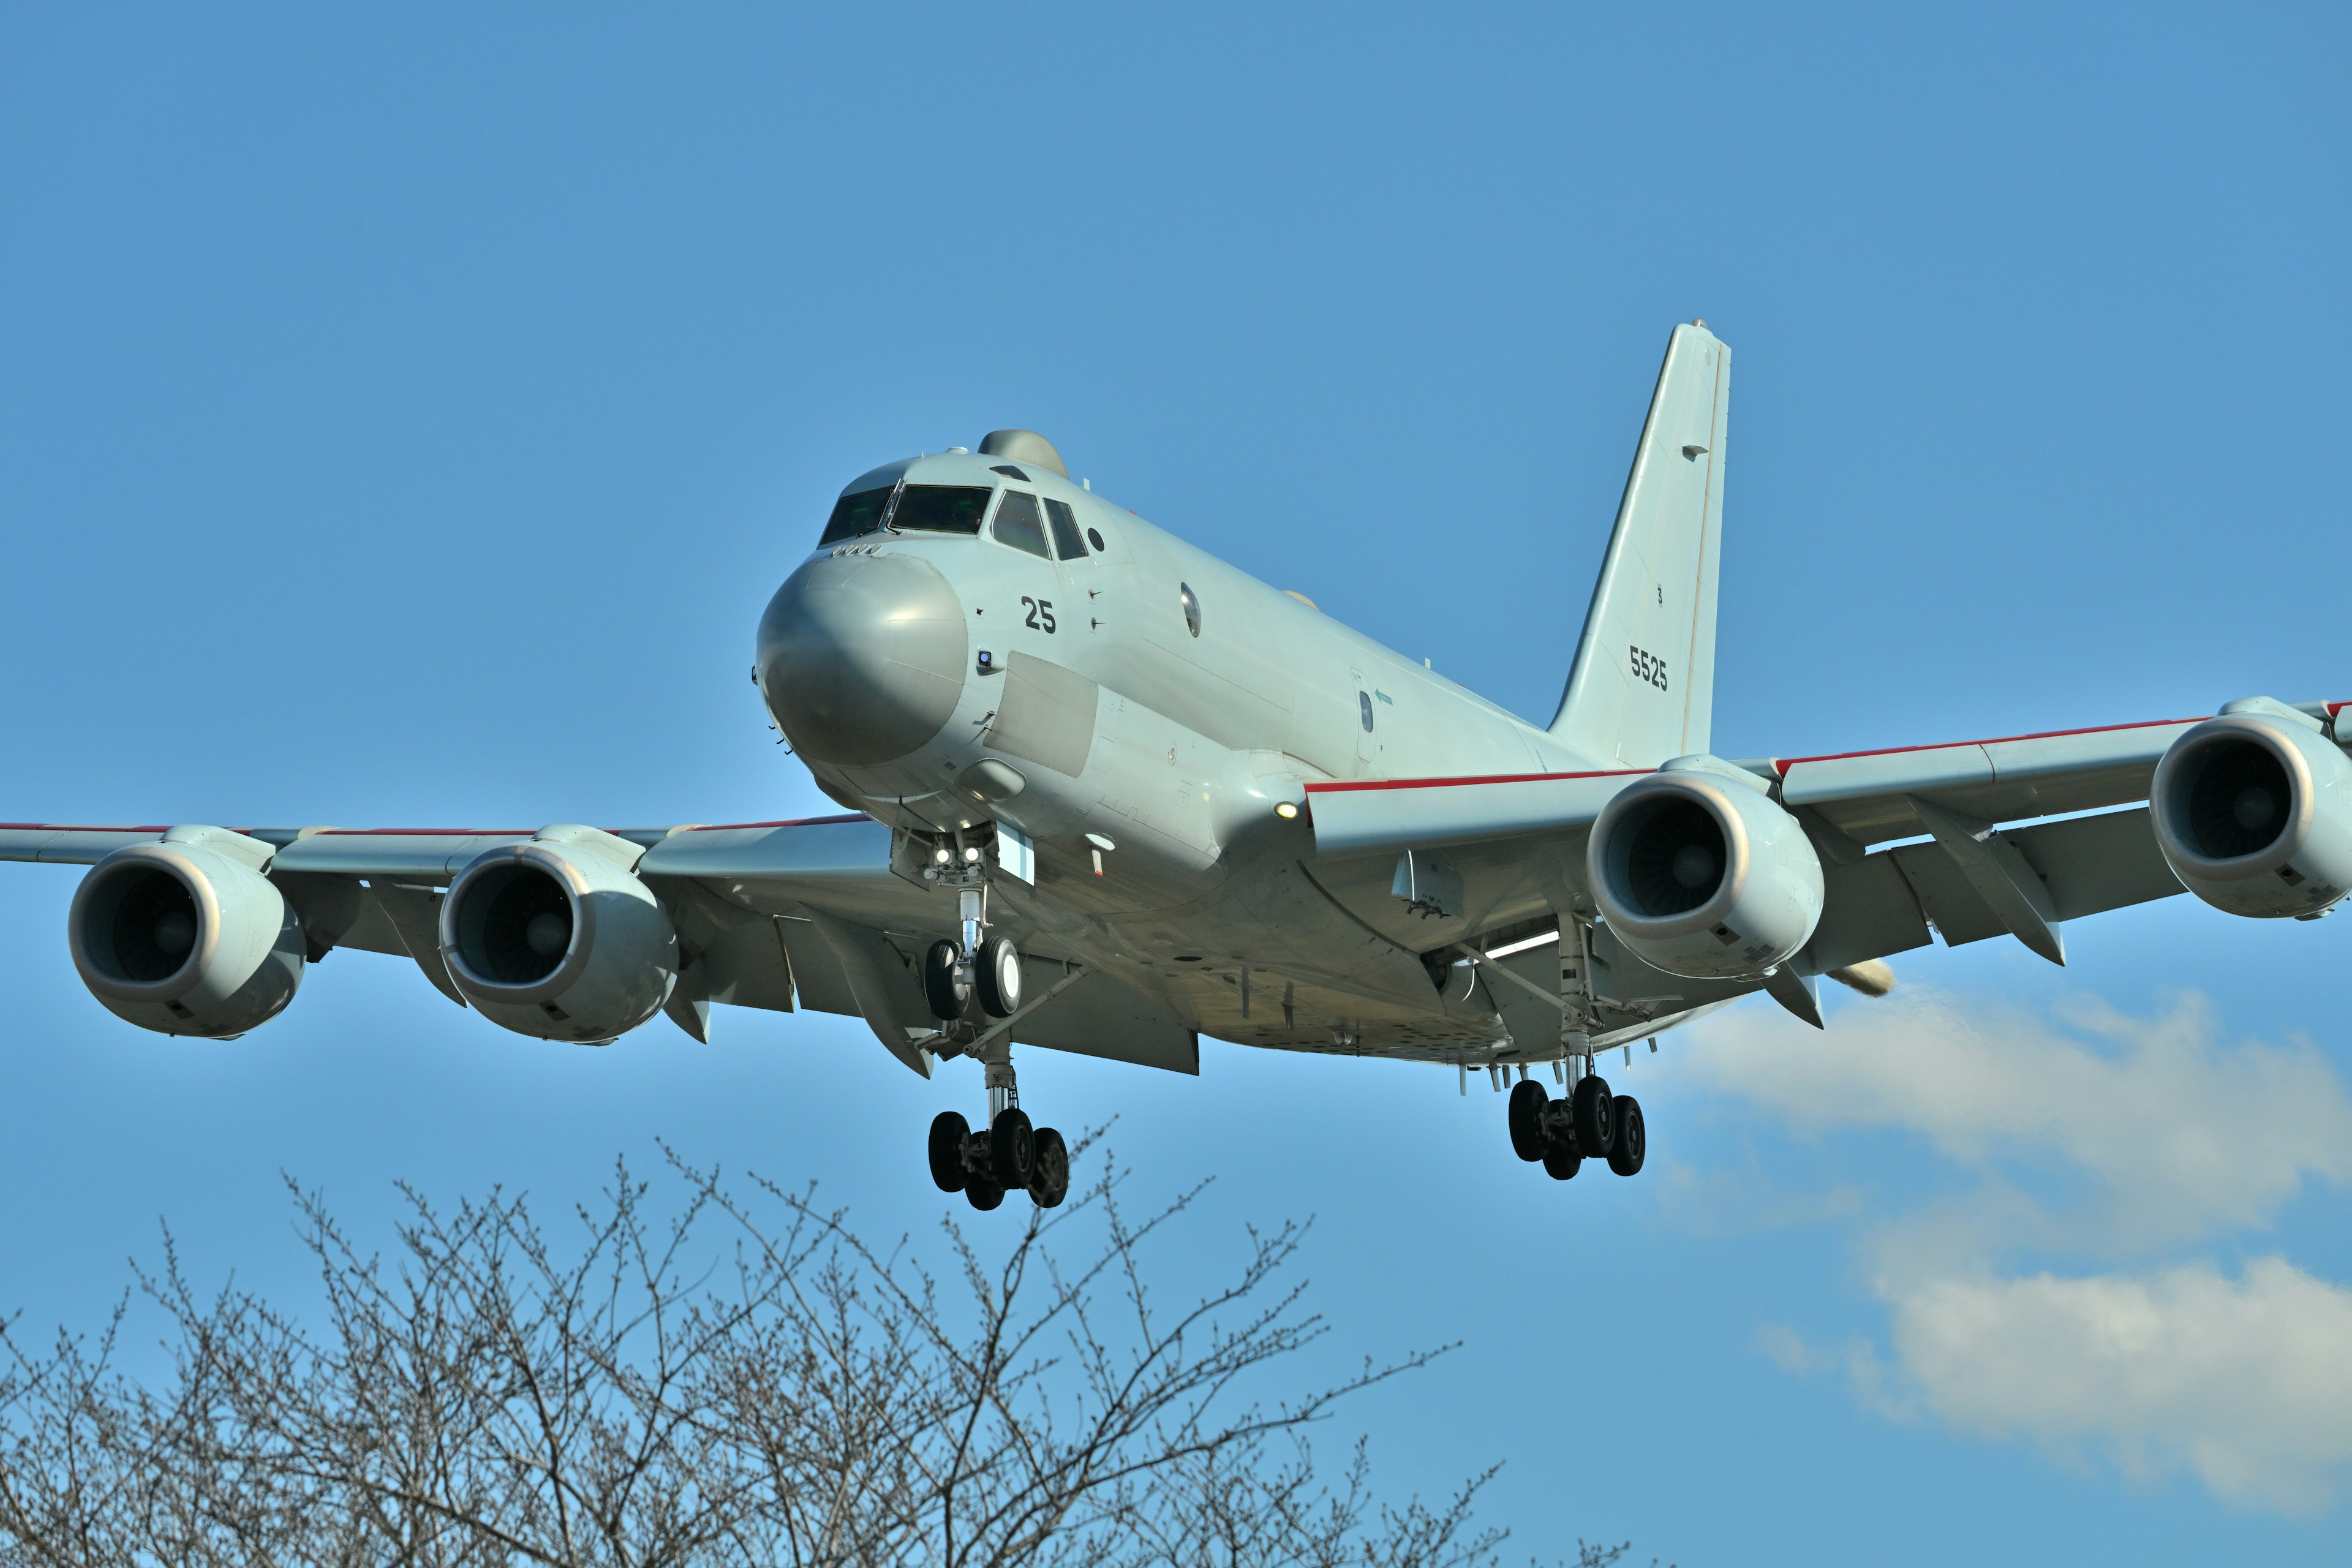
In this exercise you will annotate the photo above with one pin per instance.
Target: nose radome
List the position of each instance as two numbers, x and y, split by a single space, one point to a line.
862 656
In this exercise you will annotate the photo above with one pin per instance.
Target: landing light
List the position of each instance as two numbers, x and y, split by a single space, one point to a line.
971 854
939 855
1285 811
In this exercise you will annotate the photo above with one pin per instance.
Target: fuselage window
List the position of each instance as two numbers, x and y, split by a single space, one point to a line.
1066 543
941 509
1191 603
1094 537
1364 702
1019 525
860 513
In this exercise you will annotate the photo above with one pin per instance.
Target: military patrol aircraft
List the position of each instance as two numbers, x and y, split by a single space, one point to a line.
1107 793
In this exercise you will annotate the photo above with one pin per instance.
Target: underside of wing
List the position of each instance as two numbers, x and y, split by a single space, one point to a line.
2252 809
818 912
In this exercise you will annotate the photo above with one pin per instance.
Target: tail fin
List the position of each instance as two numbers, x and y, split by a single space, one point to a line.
1643 687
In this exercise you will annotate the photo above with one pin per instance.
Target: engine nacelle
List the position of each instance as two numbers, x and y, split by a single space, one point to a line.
2254 816
185 939
1703 876
556 938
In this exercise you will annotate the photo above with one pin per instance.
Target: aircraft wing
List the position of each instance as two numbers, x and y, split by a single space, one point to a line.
1956 863
775 915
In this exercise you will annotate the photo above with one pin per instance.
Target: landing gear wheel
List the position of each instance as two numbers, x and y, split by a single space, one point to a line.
1559 1164
948 1130
996 974
1011 1147
948 992
1590 1112
1525 1117
1625 1158
1049 1180
982 1195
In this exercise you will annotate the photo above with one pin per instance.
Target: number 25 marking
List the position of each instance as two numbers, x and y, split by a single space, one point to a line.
1038 607
1648 667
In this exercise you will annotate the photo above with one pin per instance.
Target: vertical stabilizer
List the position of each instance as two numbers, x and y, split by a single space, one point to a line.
1643 687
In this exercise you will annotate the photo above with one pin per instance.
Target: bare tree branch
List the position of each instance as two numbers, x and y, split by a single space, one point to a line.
744 1378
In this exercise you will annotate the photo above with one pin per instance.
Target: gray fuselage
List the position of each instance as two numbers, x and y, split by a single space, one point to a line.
1140 693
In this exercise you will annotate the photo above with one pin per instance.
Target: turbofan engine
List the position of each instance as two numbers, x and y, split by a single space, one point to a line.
1703 876
185 939
557 938
2254 812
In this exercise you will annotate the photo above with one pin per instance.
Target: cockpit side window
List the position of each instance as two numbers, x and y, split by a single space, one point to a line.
1019 524
1067 543
941 509
856 514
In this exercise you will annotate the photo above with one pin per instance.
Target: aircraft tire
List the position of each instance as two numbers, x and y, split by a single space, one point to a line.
1591 1109
982 1195
997 975
1559 1164
949 1130
1626 1154
1049 1179
1525 1115
943 988
1011 1147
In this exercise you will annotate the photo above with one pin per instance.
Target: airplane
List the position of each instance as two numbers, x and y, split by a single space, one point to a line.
1105 793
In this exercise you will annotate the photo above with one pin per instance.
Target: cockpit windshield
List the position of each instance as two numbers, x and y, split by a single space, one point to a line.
941 509
856 514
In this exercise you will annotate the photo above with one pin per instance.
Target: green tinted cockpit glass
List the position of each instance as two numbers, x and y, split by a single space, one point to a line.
941 509
856 514
1019 524
1067 544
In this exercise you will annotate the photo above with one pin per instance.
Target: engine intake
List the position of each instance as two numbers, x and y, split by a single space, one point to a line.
1703 877
185 939
557 938
2254 816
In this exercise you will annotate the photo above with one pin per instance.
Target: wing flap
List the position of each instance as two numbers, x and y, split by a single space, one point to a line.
2094 864
1106 1018
1868 910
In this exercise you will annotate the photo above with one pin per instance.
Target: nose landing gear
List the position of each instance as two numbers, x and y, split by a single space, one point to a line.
1590 1123
953 971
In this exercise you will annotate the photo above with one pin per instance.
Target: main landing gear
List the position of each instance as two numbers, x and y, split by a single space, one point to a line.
1590 1123
1008 1155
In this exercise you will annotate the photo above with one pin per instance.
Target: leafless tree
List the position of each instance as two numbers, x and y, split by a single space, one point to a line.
655 1395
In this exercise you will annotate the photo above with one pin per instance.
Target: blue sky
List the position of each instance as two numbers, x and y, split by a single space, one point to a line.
404 420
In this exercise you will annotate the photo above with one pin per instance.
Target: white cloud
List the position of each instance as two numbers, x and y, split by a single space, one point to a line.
2166 1134
2246 1382
2180 1130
